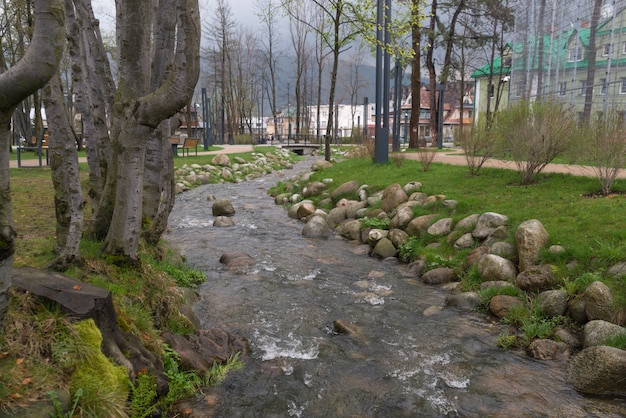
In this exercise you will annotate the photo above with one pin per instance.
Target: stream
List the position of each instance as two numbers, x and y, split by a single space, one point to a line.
409 356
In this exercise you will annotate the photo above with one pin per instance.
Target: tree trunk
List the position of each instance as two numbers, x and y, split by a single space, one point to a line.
432 73
416 82
591 60
68 195
24 78
138 111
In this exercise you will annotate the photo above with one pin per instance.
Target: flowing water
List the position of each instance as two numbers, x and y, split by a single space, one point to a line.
408 357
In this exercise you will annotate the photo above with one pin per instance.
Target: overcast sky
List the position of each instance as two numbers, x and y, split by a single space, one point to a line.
244 12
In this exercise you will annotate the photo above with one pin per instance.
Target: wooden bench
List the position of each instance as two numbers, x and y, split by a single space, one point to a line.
190 144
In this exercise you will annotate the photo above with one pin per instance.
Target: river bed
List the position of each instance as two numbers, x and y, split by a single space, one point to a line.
409 356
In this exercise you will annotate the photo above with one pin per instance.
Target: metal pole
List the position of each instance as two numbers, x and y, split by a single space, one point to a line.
380 151
440 117
386 78
397 106
365 118
205 120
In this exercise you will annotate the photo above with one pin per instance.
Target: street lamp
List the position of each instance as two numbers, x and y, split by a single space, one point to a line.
406 124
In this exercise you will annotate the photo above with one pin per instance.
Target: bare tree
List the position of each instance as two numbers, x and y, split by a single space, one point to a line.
37 66
299 32
268 13
591 60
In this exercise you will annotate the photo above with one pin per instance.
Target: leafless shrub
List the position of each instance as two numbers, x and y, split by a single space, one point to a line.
604 147
478 145
534 134
426 157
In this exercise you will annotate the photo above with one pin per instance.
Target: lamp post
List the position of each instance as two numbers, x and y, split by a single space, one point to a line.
406 124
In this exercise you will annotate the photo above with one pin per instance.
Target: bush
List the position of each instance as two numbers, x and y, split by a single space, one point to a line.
534 134
478 144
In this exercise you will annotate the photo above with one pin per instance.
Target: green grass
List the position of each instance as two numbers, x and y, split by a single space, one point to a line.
589 228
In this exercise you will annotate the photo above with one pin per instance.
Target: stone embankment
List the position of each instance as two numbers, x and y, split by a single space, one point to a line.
501 256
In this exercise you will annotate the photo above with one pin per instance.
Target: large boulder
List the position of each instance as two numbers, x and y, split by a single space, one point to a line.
530 238
487 223
440 275
336 216
536 278
418 226
466 300
346 189
598 331
553 302
313 189
223 221
316 227
599 301
501 305
320 165
403 216
598 370
221 160
350 229
397 237
440 227
493 267
393 195
236 260
222 207
384 248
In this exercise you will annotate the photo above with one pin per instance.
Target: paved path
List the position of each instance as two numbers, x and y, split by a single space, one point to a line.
453 156
226 149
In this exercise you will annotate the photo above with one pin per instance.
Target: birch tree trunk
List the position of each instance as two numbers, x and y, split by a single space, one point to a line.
24 78
68 195
138 110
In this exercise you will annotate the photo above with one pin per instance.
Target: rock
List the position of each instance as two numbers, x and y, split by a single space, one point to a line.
347 189
468 223
552 302
599 301
343 327
393 195
536 278
418 226
440 227
403 216
487 223
236 260
221 160
450 204
576 309
494 267
316 227
495 283
501 305
543 349
305 209
313 189
412 187
617 270
597 332
556 249
201 350
384 248
397 237
418 197
465 300
440 275
475 255
336 216
503 249
464 241
567 337
353 208
598 370
320 165
350 229
222 207
223 221
530 238
375 235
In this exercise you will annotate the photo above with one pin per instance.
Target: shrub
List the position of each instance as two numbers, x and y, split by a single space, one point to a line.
534 134
478 144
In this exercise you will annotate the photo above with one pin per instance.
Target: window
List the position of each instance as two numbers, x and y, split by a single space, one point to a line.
562 88
602 86
492 90
622 88
575 54
583 87
606 50
519 89
623 47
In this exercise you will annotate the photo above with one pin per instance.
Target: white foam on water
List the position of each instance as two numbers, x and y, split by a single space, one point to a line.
374 300
188 222
289 347
295 411
306 277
